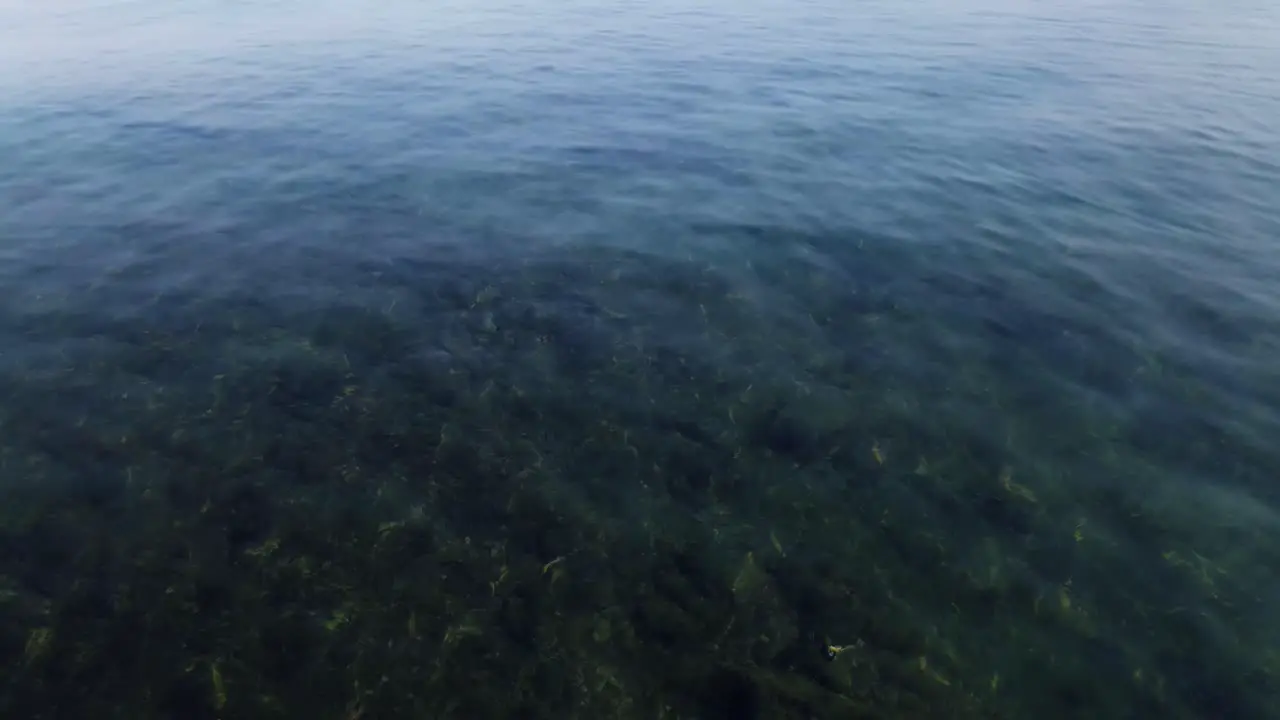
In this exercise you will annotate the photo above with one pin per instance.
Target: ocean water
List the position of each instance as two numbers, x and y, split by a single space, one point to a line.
501 359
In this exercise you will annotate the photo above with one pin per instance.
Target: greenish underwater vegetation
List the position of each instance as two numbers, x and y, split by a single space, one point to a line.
615 487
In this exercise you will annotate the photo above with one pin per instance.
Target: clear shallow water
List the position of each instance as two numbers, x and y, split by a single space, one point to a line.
502 360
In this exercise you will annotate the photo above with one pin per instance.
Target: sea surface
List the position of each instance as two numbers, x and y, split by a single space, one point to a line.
585 359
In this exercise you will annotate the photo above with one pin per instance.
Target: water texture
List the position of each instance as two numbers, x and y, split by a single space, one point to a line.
704 360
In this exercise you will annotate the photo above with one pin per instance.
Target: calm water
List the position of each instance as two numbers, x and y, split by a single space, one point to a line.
502 359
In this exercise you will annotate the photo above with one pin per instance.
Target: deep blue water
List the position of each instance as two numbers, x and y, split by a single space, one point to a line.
585 359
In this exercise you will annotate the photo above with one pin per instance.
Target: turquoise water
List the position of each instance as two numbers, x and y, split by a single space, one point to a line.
654 360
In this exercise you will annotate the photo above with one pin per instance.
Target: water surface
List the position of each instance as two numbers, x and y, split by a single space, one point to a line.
765 359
